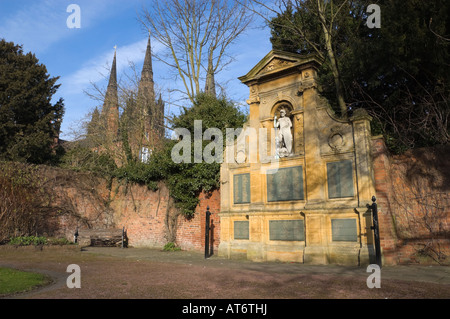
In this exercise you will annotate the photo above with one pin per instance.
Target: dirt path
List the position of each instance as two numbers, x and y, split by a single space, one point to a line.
151 274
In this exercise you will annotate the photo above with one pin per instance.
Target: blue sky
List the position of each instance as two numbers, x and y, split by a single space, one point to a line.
83 56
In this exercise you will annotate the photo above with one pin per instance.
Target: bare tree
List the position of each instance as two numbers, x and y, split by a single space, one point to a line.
197 36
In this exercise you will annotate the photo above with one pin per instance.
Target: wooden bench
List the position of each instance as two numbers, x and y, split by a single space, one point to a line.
113 237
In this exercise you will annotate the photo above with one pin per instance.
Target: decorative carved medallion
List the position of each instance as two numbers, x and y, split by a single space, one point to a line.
241 157
336 139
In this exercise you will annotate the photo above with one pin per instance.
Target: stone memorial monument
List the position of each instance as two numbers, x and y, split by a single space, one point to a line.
308 202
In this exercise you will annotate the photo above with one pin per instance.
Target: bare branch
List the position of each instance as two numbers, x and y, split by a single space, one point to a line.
439 36
195 32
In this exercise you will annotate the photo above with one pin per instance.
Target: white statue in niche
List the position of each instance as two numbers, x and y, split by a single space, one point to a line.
283 134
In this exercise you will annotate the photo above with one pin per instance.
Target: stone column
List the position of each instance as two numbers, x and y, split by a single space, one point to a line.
362 138
315 186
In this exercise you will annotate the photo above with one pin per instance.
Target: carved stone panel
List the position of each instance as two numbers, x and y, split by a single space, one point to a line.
241 229
344 229
288 230
285 184
241 188
340 179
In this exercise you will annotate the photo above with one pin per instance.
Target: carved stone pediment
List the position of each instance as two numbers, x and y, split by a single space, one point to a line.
277 60
275 64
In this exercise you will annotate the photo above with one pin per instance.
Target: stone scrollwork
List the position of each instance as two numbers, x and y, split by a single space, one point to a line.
306 85
253 99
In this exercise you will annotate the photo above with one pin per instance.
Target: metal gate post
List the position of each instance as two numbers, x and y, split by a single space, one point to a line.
376 230
208 214
123 235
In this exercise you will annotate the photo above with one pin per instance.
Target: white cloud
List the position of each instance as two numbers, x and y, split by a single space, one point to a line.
97 69
37 25
40 24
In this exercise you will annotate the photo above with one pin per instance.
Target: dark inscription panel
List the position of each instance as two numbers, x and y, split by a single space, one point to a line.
289 230
241 191
241 229
344 229
340 179
285 184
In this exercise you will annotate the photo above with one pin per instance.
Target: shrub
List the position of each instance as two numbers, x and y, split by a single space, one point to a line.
38 240
171 247
28 241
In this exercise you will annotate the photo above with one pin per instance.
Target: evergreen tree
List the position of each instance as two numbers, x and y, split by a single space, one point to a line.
29 122
399 72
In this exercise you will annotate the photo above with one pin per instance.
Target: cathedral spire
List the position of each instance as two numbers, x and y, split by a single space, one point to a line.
110 110
113 75
147 70
153 112
146 91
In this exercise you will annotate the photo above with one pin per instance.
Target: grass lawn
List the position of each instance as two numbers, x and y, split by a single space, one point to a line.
13 281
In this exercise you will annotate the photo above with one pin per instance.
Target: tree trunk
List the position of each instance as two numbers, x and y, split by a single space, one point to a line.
333 62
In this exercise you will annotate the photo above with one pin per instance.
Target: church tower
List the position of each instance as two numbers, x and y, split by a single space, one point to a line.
110 110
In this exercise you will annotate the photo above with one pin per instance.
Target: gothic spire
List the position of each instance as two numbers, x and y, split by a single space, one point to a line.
110 110
147 98
113 76
147 70
146 92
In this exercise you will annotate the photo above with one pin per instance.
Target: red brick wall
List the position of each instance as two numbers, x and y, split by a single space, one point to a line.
143 213
191 232
403 184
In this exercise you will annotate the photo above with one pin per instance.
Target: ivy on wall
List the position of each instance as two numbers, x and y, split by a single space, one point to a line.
186 180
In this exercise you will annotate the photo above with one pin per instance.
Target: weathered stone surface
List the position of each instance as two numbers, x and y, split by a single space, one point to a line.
294 199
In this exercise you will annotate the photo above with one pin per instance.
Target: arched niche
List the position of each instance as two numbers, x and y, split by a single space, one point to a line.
288 108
